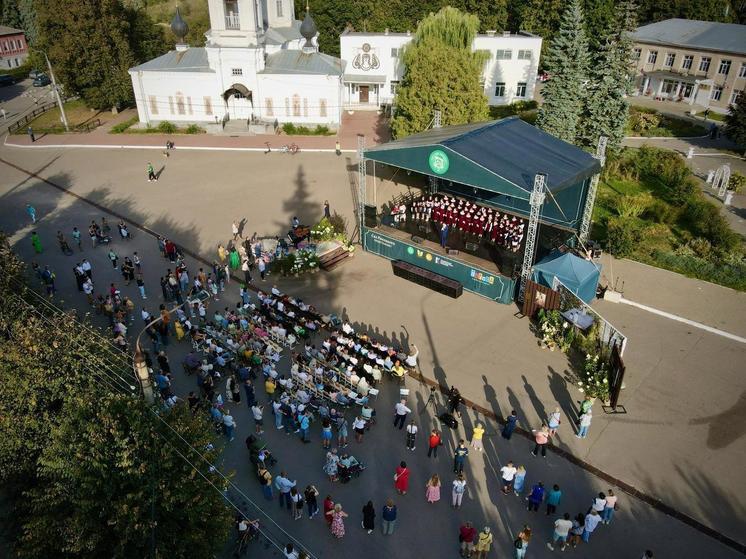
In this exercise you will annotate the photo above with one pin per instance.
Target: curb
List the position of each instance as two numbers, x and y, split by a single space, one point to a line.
627 488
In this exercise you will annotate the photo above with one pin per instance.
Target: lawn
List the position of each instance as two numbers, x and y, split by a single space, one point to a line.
78 114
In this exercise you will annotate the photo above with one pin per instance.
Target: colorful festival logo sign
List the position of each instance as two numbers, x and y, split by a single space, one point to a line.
438 161
483 278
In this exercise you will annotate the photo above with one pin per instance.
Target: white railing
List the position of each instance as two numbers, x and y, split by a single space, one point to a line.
232 22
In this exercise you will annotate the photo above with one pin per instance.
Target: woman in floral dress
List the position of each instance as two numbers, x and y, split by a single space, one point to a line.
432 489
338 526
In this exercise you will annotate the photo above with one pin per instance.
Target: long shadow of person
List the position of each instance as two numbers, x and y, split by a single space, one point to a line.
558 386
535 401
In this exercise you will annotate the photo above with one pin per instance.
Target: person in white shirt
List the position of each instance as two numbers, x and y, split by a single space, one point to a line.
411 359
561 531
257 411
400 414
508 473
411 435
599 503
347 329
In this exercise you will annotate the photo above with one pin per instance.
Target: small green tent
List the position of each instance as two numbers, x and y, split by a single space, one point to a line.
578 275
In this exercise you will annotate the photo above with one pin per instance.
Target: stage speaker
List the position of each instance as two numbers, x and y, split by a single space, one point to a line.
370 215
452 251
417 239
471 246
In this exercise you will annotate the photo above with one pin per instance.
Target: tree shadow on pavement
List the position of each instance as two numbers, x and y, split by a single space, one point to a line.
726 427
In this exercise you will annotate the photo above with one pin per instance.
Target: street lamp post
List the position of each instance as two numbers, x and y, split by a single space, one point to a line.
56 92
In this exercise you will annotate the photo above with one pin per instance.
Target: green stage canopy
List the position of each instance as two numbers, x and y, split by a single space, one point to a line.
579 276
501 157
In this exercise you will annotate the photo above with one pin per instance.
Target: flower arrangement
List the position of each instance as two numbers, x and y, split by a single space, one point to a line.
594 379
555 331
299 262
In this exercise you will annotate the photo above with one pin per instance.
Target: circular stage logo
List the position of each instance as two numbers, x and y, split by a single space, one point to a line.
438 162
410 250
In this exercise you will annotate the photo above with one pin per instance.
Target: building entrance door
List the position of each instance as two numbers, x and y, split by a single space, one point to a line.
686 90
364 90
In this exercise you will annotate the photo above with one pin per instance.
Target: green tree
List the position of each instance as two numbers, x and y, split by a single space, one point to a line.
441 72
109 481
735 122
606 107
20 14
567 62
93 43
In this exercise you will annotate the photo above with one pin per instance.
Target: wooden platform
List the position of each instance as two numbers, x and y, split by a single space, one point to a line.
333 258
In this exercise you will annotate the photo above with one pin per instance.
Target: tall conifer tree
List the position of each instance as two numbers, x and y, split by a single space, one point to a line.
567 63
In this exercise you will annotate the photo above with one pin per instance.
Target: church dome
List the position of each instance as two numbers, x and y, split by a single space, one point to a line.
179 27
308 29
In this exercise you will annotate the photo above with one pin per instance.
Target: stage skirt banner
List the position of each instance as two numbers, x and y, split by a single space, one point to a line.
493 286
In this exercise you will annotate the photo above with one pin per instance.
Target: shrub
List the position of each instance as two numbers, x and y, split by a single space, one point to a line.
700 247
123 126
705 220
338 223
166 127
633 205
662 212
729 271
643 121
322 130
194 129
737 183
624 233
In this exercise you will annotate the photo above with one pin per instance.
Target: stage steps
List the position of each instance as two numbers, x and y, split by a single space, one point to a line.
330 260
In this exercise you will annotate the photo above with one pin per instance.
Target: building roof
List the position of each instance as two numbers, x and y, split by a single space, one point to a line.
500 156
411 34
281 35
5 30
189 60
694 34
299 62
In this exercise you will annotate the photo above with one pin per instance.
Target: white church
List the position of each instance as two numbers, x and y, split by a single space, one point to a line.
260 65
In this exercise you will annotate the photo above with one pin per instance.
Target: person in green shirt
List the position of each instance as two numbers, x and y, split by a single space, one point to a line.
553 499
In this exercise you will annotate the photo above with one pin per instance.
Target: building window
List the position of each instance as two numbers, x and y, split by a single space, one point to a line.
636 53
237 94
287 106
503 54
279 8
20 45
268 104
394 87
670 57
520 90
296 105
322 107
742 71
686 64
15 61
524 55
704 64
171 104
237 71
717 93
394 53
724 67
734 96
652 56
208 105
500 89
180 107
153 104
305 107
189 105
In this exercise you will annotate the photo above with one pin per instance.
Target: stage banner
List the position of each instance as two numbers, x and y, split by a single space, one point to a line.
479 281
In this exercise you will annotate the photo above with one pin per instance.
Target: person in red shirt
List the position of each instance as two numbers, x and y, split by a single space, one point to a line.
328 506
466 535
401 478
434 442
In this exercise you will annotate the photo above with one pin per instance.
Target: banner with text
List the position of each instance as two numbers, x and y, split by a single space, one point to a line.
493 286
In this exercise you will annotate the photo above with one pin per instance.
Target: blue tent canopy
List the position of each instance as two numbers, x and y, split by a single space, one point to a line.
579 276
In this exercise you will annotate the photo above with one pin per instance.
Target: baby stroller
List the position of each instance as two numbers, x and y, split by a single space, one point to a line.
346 472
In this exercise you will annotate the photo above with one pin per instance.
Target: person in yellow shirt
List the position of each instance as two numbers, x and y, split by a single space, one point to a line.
476 437
269 386
484 543
398 371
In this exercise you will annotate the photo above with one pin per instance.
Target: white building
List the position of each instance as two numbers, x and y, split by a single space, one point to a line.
374 68
261 65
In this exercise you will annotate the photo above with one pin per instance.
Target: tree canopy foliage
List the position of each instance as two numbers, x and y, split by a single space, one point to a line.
92 44
88 469
441 72
735 122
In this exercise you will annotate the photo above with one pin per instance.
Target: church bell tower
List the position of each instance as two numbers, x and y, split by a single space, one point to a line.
234 23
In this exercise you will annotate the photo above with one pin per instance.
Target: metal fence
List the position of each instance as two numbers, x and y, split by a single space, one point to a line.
24 120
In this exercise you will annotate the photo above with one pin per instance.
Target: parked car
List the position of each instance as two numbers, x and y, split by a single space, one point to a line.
33 74
7 79
41 81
